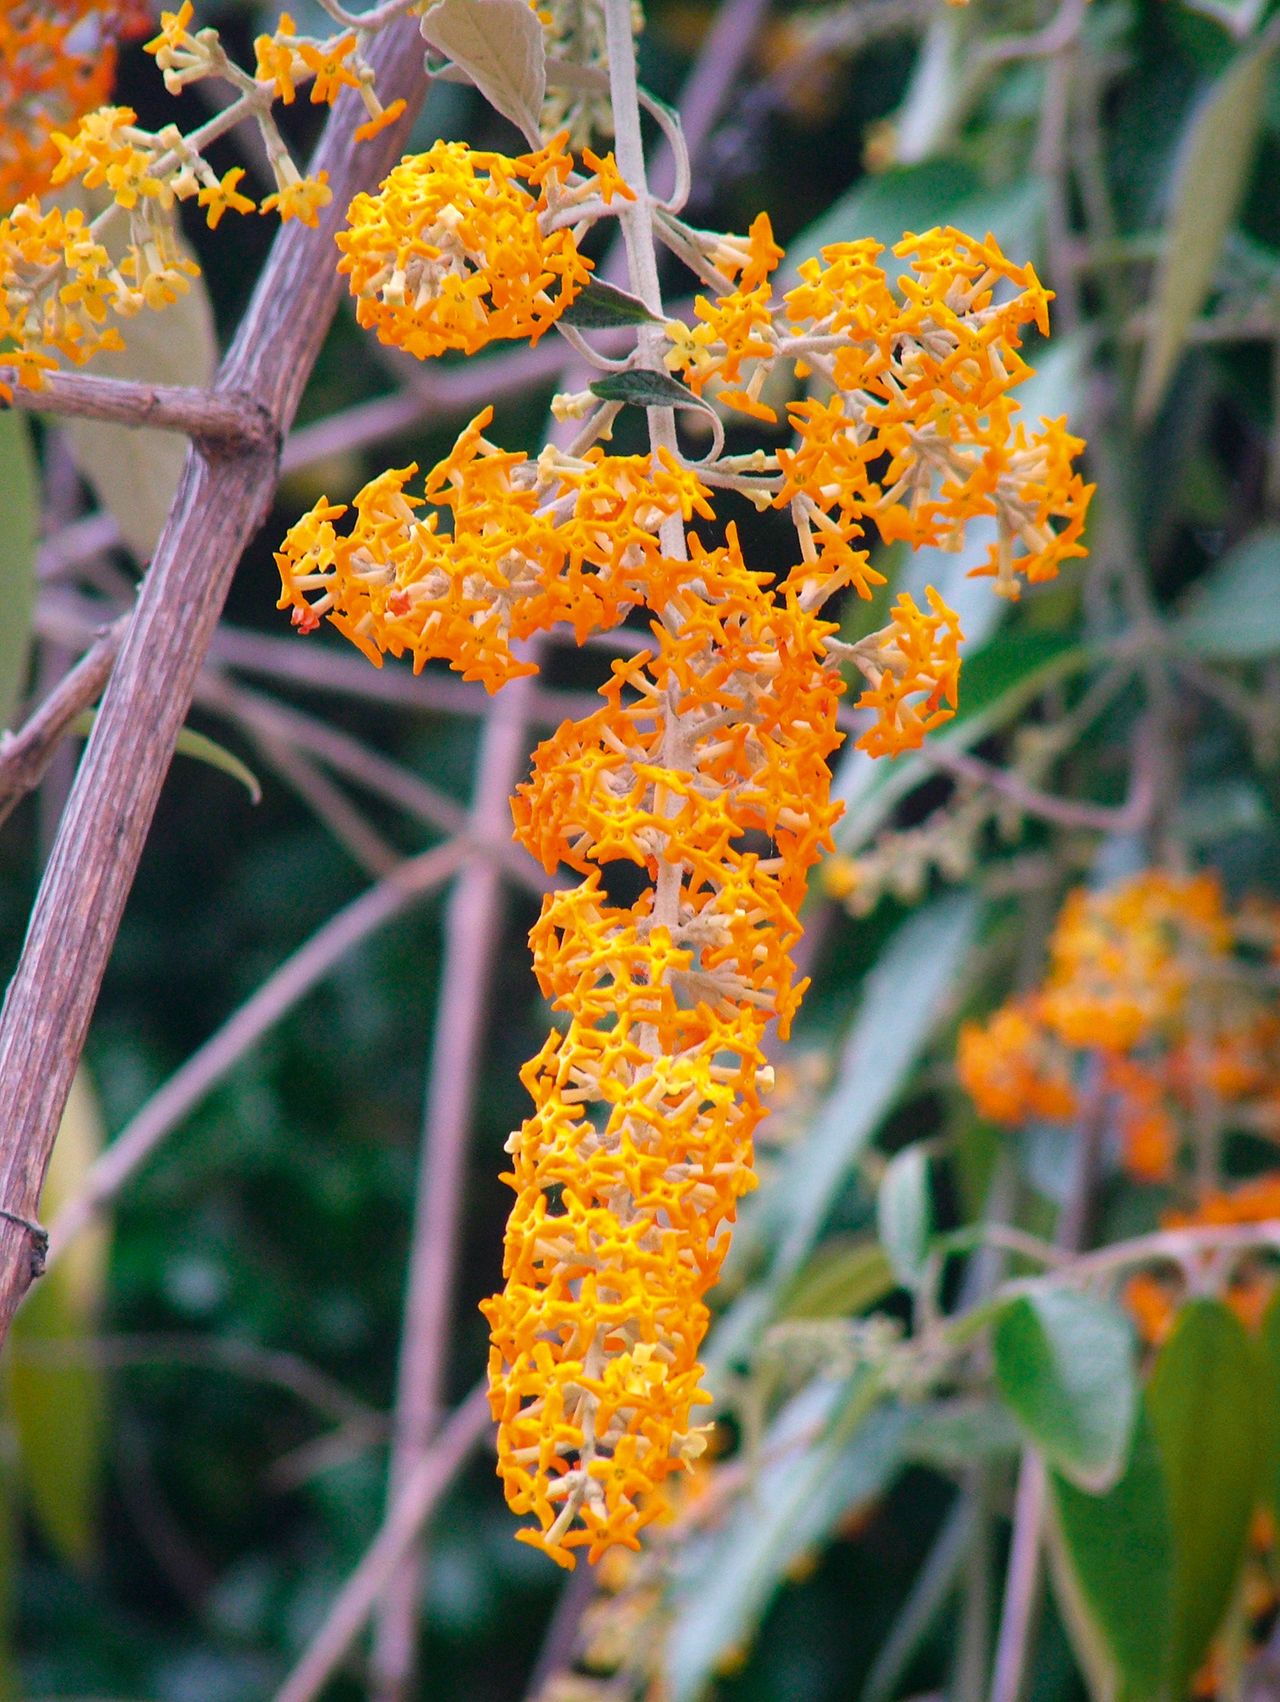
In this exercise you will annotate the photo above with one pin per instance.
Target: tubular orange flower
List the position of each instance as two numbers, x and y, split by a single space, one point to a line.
451 252
914 670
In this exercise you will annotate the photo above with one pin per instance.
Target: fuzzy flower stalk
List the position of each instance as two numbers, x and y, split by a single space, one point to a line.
700 788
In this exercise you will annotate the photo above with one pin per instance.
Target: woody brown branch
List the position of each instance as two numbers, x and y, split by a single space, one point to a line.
223 496
215 419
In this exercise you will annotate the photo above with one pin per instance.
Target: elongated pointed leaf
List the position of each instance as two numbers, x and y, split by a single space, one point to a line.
1119 1546
1064 1365
1206 1412
201 748
58 1404
842 1278
642 388
1271 1405
904 1213
20 483
1210 181
600 307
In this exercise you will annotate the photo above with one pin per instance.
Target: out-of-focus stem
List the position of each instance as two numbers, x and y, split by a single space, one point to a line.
472 929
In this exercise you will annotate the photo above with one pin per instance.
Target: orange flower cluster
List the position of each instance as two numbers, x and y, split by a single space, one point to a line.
532 545
917 432
705 768
458 248
913 666
57 61
1153 1299
1152 979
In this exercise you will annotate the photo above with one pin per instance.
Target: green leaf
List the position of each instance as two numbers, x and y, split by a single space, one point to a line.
725 1582
1119 1546
1206 1411
135 472
602 306
843 1277
1064 1365
1233 614
1209 183
207 750
58 1403
1271 1404
640 387
196 745
20 482
901 1002
501 46
904 1213
954 1435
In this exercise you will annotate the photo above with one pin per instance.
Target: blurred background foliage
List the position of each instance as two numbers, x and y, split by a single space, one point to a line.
198 1400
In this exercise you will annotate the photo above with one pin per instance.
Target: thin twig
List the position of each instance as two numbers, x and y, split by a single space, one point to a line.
1020 1607
276 1366
277 995
328 803
400 1529
347 755
26 754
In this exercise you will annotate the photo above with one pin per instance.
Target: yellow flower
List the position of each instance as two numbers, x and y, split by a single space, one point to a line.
218 197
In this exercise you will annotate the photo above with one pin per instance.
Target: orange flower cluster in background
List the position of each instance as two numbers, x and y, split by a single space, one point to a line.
913 428
57 62
1171 994
705 768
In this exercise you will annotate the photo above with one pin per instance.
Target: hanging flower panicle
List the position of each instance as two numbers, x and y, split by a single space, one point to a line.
705 770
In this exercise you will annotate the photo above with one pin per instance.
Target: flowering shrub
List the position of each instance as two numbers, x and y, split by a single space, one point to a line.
725 511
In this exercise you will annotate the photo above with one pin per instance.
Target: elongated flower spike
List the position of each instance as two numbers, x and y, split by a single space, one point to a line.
705 770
